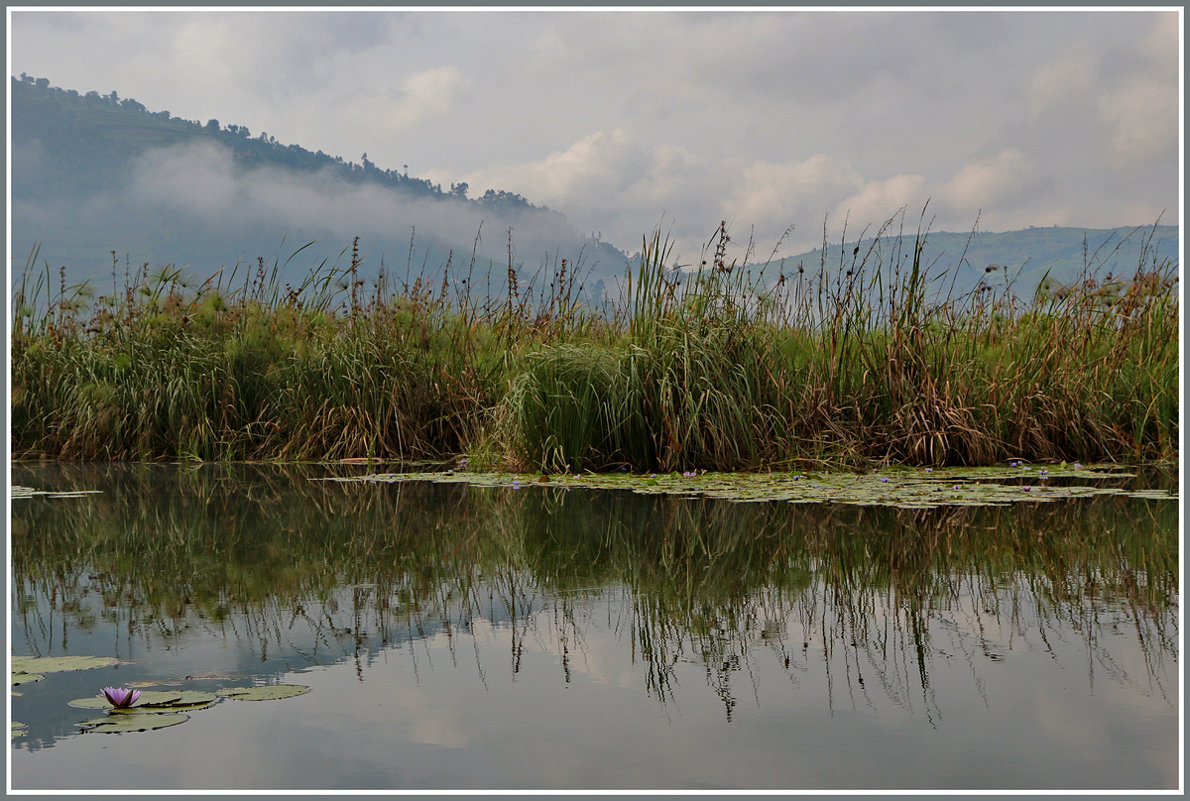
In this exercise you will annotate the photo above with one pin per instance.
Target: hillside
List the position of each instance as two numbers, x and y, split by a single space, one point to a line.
959 261
92 174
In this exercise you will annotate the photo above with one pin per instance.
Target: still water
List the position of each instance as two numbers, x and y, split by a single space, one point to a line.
455 637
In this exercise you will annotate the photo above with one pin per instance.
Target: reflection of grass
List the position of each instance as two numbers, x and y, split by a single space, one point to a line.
720 370
711 581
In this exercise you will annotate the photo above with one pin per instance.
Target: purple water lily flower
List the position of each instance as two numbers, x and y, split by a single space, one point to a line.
120 697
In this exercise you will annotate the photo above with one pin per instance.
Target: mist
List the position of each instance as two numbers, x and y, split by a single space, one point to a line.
192 205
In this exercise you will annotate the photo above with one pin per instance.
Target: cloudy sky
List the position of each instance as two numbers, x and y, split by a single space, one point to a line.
630 120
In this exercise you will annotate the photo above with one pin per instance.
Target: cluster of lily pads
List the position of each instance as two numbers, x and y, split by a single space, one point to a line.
129 709
899 487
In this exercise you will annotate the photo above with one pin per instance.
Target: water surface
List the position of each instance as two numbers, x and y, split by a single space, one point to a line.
462 637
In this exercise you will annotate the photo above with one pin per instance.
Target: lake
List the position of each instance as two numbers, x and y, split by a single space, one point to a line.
535 637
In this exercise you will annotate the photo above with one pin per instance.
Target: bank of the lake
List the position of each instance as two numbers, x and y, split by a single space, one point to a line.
866 362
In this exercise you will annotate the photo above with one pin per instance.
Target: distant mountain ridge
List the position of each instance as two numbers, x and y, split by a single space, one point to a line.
1027 256
93 174
89 177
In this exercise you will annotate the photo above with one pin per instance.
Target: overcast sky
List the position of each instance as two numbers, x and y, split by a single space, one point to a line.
627 120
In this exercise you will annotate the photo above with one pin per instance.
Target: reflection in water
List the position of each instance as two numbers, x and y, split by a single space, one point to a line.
299 570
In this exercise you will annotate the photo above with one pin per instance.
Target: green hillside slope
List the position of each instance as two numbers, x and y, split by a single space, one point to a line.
92 174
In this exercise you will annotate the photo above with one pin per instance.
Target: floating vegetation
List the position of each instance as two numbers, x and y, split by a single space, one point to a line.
158 709
19 729
269 692
29 492
130 709
132 721
150 701
57 664
897 487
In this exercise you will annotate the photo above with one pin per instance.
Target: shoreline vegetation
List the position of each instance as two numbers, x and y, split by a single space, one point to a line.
726 368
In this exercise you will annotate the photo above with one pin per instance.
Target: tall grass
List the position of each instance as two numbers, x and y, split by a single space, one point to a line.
726 367
869 361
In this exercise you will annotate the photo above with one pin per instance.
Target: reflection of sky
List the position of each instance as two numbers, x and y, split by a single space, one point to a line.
534 676
492 705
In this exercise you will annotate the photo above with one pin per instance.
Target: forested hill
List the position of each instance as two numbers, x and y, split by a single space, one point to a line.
93 173
98 133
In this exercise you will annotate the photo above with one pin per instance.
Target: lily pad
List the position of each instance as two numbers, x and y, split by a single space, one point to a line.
159 697
268 692
181 698
57 664
1153 494
153 701
91 703
19 729
96 702
142 721
171 701
899 487
193 707
22 677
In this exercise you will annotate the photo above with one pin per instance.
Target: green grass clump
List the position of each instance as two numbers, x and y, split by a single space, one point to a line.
869 362
721 368
169 371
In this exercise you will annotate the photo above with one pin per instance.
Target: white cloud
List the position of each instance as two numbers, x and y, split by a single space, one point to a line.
991 183
1140 107
773 196
604 163
609 180
430 92
1143 119
548 50
1112 103
204 50
878 201
1063 80
379 113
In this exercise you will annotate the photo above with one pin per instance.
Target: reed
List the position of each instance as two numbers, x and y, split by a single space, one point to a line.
725 367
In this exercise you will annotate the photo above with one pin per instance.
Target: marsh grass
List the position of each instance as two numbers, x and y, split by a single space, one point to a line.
727 366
